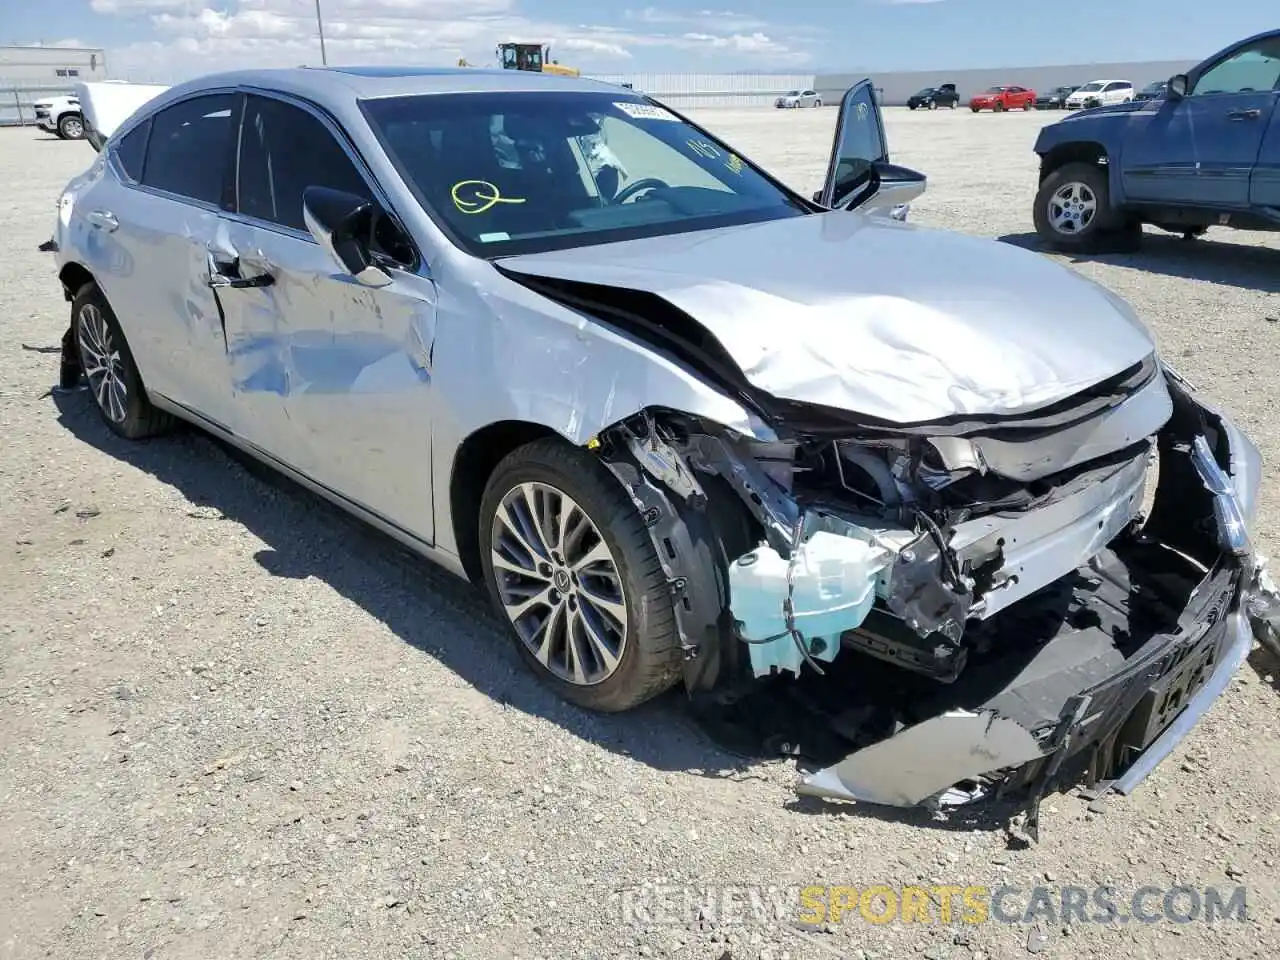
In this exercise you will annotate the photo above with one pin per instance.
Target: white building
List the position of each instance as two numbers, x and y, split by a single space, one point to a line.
33 64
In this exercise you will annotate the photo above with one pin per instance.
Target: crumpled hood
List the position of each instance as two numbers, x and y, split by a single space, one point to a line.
876 316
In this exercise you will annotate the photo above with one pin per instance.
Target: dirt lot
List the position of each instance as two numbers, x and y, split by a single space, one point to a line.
235 724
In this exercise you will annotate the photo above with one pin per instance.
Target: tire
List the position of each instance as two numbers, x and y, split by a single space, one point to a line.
911 106
817 104
954 104
933 105
1097 223
71 126
645 649
998 107
1028 105
117 392
975 109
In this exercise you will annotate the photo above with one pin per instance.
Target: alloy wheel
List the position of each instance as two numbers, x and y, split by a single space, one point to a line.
559 583
73 128
103 367
1072 208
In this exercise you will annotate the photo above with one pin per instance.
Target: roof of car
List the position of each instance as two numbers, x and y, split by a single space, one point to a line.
391 81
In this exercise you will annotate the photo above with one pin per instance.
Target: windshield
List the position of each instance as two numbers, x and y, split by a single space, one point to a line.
1090 87
508 173
1154 87
925 92
995 89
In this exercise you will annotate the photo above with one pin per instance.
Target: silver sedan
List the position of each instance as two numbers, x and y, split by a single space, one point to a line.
681 422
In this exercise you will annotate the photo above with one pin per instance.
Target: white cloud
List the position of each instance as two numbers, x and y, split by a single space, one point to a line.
193 35
706 19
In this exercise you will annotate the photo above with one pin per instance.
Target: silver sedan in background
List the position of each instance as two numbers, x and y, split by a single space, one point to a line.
799 98
683 423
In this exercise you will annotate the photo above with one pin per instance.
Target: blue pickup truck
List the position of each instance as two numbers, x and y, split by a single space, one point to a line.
1208 154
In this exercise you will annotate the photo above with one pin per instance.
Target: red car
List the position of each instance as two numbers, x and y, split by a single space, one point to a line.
1000 99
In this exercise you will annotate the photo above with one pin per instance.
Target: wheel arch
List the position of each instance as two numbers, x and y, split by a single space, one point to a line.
1077 151
473 464
74 277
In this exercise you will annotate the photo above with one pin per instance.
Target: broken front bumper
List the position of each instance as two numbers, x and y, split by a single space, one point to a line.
1080 700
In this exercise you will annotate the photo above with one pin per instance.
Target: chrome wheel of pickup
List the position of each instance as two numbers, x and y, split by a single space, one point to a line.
1072 207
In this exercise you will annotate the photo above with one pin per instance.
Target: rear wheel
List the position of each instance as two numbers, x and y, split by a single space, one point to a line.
570 566
109 367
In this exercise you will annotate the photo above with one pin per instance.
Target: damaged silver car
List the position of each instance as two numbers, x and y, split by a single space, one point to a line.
685 424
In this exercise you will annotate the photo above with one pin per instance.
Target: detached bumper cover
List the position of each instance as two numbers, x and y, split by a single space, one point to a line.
1129 711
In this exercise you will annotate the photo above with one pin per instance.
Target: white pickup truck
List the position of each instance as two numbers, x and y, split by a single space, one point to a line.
60 115
106 104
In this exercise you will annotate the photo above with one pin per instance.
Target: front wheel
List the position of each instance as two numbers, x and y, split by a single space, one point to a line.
71 127
1073 208
999 106
975 109
108 365
571 567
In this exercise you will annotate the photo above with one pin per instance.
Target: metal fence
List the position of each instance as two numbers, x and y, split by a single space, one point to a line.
712 89
17 99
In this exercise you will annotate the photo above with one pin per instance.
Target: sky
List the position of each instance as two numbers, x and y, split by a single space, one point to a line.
171 39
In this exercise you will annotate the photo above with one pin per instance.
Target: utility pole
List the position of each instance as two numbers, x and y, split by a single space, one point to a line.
320 29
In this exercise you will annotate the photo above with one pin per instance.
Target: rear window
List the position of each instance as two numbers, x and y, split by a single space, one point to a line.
131 151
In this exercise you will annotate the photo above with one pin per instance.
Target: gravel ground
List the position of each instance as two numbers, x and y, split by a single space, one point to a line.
234 723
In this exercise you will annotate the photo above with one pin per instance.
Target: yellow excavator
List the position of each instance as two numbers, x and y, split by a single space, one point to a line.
535 57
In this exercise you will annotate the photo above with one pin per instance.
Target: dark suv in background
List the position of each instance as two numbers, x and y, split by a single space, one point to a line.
931 98
1055 99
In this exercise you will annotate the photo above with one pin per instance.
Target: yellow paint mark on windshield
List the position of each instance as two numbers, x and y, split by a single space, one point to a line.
478 196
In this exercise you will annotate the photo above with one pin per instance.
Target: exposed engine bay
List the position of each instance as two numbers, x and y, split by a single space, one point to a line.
999 576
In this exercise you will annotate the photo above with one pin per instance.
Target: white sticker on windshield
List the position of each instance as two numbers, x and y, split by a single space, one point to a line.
645 111
493 237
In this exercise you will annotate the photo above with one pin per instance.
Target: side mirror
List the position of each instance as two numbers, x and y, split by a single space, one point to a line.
895 187
343 224
1178 87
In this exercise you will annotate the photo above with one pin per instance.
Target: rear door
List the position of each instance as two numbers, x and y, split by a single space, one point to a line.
334 377
153 228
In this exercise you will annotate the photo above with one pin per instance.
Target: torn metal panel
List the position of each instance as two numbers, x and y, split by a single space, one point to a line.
1140 415
1043 544
926 760
864 335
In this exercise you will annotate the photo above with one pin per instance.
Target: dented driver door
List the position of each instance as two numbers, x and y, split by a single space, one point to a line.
332 377
859 174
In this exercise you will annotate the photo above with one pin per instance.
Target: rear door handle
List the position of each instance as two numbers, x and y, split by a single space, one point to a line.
225 274
1253 114
103 220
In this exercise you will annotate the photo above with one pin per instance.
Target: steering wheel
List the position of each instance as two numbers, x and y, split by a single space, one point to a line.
644 183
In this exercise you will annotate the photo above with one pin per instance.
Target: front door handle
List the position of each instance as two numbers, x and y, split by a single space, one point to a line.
225 274
1253 114
103 220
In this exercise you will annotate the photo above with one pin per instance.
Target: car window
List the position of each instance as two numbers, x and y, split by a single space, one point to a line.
521 172
131 151
809 93
190 147
1253 68
1090 88
283 150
